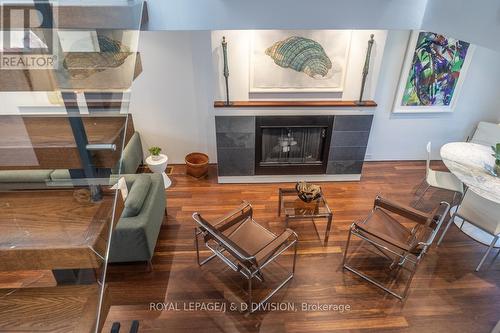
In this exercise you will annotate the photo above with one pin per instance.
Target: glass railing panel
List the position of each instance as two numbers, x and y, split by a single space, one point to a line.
64 126
57 211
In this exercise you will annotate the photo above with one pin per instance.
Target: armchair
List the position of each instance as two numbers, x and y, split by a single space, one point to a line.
245 246
394 240
481 213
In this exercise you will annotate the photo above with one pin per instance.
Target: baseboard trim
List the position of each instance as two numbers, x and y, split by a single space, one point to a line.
287 178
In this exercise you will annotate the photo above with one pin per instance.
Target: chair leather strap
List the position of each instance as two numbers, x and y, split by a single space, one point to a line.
383 237
405 211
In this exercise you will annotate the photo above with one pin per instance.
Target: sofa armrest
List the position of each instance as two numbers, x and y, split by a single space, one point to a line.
134 238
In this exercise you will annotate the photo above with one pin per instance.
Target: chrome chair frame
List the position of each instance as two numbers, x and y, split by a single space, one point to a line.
238 261
424 186
400 258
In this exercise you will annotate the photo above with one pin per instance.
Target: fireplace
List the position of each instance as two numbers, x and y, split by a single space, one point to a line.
292 144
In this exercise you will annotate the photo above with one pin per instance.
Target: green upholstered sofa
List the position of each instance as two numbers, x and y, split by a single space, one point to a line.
130 161
25 176
131 156
135 234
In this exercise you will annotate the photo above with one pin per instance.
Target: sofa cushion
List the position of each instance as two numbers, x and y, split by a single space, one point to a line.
134 238
131 156
24 176
136 196
60 174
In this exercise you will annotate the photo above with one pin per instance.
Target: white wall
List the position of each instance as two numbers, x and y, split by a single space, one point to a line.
30 102
284 14
477 21
399 137
394 136
172 99
239 48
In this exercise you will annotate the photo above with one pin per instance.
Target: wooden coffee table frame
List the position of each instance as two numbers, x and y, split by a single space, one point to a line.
329 215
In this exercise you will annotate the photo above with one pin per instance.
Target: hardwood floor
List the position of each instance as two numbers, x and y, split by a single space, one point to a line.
65 309
446 294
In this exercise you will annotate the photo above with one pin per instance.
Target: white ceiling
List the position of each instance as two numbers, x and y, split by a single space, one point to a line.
475 21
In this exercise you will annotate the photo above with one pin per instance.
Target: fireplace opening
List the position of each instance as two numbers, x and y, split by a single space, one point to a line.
292 145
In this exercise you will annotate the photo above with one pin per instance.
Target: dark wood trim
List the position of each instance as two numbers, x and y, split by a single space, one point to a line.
277 104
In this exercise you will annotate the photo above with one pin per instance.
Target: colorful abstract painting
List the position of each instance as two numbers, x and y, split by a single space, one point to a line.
434 71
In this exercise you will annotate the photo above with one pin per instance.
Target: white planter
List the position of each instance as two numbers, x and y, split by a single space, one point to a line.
158 164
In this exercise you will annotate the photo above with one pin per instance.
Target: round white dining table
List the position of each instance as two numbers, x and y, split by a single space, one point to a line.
472 163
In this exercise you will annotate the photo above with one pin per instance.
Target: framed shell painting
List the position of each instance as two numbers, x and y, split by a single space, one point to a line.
433 72
298 60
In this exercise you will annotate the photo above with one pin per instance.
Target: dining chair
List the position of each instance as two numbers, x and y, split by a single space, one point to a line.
486 134
245 246
385 229
438 179
480 212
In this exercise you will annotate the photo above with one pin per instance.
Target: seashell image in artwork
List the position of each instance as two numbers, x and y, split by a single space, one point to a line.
81 65
302 55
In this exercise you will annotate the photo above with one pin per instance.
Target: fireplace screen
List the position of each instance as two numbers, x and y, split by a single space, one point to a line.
286 145
292 145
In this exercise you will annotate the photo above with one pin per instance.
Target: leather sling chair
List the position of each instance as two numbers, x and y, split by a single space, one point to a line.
383 228
245 246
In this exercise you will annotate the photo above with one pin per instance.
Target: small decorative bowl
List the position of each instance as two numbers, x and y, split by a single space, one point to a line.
307 192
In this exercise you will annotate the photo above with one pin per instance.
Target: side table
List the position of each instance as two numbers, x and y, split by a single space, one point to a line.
295 209
159 166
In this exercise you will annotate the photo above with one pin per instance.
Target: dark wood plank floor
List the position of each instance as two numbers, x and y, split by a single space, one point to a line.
446 294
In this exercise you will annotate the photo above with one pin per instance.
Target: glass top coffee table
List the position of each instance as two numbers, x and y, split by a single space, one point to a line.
295 209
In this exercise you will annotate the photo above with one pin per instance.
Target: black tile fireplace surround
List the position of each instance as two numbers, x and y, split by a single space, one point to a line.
340 140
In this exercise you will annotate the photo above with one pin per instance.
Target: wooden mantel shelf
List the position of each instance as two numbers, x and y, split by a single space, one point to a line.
281 104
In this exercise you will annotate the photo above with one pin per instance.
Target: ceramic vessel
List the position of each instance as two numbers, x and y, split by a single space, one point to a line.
197 164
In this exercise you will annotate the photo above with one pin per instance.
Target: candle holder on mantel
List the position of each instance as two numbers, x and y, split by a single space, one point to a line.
226 69
366 67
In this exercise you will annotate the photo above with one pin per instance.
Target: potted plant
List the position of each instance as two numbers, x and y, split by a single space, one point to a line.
155 153
496 155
